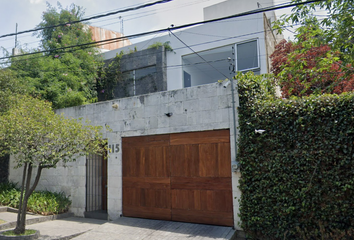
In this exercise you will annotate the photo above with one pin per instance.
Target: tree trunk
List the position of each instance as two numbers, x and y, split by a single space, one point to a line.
21 198
21 217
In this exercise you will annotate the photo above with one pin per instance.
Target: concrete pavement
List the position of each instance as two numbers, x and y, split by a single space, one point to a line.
147 229
124 228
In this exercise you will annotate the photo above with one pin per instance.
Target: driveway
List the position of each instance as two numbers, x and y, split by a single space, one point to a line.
146 229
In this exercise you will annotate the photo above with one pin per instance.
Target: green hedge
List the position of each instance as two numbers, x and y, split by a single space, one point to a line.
298 176
40 202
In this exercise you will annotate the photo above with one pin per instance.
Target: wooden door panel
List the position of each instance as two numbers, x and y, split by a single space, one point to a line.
183 177
147 141
216 136
201 200
206 183
202 206
184 160
149 183
134 164
224 158
208 160
148 203
146 177
157 163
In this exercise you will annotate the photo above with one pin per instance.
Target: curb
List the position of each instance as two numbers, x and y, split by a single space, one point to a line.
26 237
32 221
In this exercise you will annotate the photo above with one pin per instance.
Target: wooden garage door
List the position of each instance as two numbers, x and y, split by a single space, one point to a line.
181 177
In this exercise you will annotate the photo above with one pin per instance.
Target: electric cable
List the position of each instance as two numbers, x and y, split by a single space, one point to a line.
89 18
260 10
197 54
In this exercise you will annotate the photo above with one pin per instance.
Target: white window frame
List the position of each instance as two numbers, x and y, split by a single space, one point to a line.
258 56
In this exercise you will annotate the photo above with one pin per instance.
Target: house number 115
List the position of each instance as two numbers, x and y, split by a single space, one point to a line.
113 148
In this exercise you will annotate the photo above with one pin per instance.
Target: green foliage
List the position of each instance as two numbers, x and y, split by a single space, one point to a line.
160 44
109 76
12 233
34 134
40 202
39 139
309 65
338 30
64 77
9 85
298 176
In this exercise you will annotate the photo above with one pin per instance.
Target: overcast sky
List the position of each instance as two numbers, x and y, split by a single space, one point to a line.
27 13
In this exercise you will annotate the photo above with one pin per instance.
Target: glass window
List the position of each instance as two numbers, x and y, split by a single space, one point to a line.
207 66
247 55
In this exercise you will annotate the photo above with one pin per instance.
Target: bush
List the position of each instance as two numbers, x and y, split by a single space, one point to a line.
298 176
40 202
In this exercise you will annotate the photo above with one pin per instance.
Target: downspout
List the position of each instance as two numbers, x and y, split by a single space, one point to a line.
236 166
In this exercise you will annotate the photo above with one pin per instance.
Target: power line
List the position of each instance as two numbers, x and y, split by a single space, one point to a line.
197 54
89 18
260 10
193 45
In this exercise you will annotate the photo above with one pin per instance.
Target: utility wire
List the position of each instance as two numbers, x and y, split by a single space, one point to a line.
198 54
89 18
260 10
73 50
193 45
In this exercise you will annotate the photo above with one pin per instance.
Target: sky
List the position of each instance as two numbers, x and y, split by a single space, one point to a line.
27 14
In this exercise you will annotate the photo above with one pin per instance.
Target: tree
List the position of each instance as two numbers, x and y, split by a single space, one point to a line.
337 27
39 139
64 77
311 65
9 85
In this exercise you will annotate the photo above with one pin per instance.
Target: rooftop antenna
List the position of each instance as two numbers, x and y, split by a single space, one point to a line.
15 51
16 36
121 27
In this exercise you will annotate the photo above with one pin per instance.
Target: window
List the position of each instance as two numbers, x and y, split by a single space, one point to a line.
197 72
186 79
247 56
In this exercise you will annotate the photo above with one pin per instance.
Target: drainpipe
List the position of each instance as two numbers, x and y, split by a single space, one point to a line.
236 166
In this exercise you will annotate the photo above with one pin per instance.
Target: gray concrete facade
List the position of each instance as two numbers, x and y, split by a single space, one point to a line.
200 108
143 72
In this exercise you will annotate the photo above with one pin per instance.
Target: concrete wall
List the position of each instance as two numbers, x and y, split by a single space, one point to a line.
154 58
199 108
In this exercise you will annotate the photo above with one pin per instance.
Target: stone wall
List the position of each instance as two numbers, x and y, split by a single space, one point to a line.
200 108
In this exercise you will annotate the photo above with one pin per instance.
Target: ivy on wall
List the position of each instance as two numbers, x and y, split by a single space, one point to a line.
298 175
108 77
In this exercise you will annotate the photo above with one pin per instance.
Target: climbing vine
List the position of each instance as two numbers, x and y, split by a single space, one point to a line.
298 174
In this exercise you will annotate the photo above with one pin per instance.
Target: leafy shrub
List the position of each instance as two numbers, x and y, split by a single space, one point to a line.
41 202
298 176
160 44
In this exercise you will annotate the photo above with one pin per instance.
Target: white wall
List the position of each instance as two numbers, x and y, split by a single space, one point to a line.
199 108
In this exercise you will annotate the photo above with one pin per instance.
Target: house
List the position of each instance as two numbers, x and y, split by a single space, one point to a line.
200 54
173 142
100 34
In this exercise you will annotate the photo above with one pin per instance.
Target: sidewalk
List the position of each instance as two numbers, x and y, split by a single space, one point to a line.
50 228
123 229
